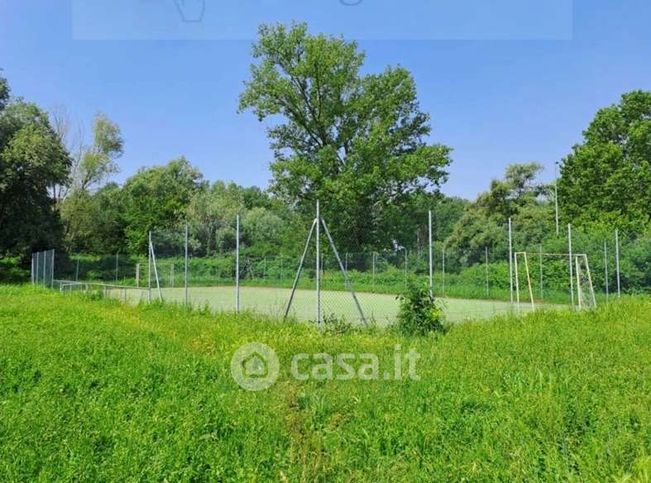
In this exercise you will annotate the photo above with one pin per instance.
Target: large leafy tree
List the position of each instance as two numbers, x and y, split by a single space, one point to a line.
606 180
32 161
356 142
92 162
95 220
157 198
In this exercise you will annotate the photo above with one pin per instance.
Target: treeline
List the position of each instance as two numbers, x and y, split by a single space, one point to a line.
357 142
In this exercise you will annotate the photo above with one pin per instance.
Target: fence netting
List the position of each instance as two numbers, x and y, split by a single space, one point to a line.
227 267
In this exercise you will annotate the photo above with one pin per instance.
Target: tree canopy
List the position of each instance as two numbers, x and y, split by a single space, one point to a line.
606 180
518 196
32 161
356 142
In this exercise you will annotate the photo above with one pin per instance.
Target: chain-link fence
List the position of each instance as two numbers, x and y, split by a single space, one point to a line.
234 272
43 268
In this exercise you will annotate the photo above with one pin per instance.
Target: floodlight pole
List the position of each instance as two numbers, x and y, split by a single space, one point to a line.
431 260
511 259
237 264
569 248
318 264
606 270
619 280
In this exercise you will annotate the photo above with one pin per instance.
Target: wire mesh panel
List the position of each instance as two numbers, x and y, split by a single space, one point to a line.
211 266
166 266
43 268
232 266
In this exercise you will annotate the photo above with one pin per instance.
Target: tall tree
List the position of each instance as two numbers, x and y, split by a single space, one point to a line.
157 199
607 178
93 162
32 161
356 142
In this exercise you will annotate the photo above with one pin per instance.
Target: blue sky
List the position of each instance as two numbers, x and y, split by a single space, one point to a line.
512 83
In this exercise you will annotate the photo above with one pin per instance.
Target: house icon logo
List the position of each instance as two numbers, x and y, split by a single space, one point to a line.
255 367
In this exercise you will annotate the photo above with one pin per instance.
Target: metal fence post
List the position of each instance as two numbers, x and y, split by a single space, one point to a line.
511 258
486 260
619 280
237 264
443 271
149 269
318 264
185 268
569 248
606 270
44 268
373 265
431 259
542 278
405 248
52 272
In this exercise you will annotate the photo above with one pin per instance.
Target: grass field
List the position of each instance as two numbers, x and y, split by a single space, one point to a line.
381 308
95 390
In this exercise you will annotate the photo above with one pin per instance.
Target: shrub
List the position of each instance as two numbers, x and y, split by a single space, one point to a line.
419 313
11 270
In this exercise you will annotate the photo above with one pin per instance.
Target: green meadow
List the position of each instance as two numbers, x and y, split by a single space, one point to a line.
95 390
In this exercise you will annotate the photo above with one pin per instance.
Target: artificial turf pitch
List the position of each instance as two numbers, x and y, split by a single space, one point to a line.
272 301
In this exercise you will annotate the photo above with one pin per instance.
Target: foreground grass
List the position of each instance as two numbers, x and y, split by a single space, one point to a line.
96 391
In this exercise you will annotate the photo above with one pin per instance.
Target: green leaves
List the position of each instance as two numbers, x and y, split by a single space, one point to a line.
356 142
157 198
608 176
32 160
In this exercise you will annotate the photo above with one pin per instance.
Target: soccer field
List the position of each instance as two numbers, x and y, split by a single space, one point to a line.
381 308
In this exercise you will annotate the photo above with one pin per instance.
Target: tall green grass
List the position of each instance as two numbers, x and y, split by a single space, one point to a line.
93 390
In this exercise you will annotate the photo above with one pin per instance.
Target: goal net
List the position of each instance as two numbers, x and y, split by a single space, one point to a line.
552 279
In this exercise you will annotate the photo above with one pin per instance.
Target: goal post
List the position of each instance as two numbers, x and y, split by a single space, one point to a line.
578 279
583 282
525 259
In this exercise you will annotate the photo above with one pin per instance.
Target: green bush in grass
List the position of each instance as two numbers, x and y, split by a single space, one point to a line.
419 312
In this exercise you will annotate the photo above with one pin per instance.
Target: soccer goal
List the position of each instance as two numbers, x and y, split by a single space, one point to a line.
552 269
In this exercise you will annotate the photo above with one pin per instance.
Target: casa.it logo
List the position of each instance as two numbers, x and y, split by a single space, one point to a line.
255 366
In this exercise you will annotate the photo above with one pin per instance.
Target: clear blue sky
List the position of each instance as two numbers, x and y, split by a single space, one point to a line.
515 83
